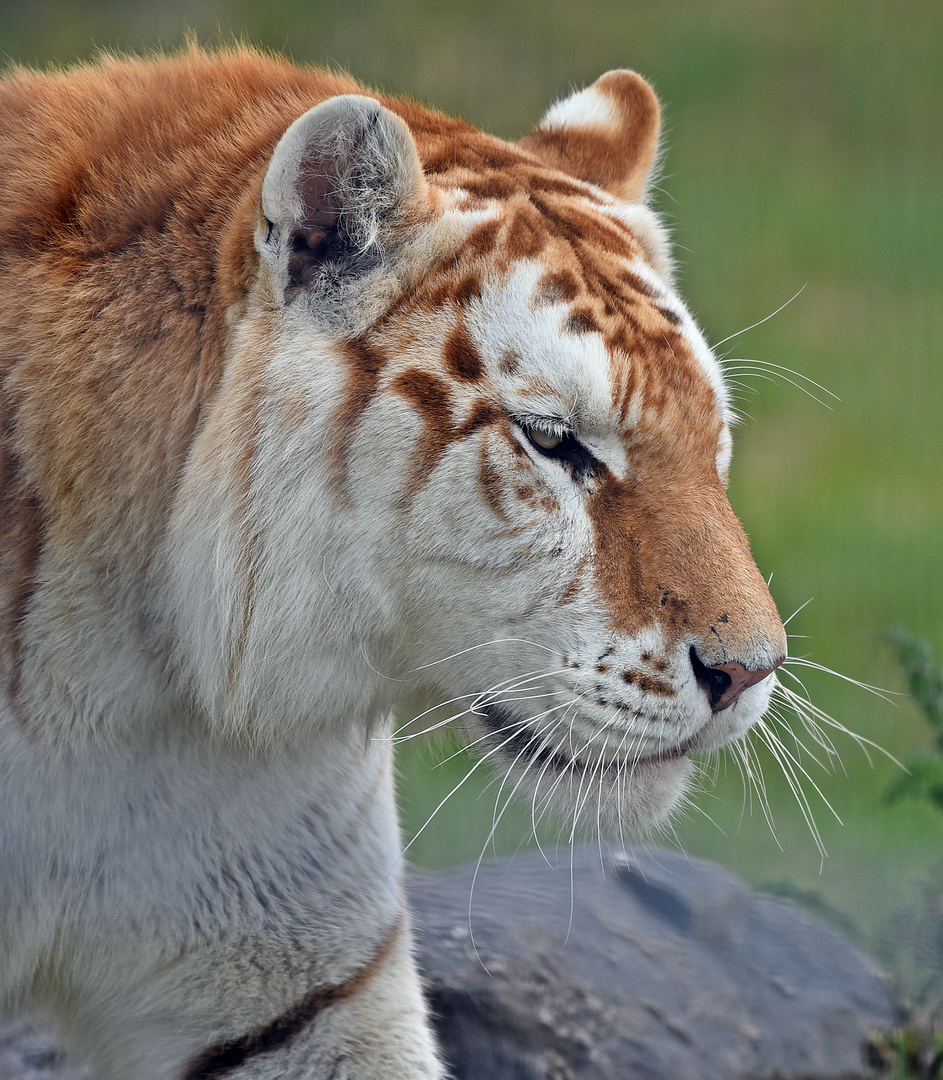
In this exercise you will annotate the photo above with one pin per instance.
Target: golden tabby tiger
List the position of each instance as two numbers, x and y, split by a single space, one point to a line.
317 403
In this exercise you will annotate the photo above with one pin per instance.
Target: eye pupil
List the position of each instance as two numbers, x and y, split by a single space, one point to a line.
543 440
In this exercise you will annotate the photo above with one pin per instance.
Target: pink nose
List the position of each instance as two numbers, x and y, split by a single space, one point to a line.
724 683
740 680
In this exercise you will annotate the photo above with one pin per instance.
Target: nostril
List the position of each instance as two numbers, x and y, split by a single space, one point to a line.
724 683
714 680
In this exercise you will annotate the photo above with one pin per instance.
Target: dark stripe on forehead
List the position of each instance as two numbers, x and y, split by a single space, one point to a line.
483 413
556 184
462 360
577 225
365 365
467 289
491 186
557 287
431 397
637 283
441 288
526 235
470 156
491 483
581 322
483 239
476 174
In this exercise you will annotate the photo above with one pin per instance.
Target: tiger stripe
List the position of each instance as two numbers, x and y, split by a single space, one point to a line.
225 1057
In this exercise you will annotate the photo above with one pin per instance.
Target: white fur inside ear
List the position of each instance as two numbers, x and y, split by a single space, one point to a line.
586 108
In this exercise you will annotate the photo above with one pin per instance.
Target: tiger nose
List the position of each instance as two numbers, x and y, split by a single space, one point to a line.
724 683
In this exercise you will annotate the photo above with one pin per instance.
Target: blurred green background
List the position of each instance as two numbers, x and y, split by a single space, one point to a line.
804 147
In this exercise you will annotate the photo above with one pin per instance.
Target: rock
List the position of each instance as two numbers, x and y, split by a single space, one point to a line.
661 968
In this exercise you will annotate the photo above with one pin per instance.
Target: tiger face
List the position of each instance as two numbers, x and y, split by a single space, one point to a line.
489 454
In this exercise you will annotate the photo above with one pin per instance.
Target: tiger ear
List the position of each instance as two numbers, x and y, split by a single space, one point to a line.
606 134
343 185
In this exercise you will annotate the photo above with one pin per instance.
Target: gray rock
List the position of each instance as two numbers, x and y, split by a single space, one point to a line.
663 968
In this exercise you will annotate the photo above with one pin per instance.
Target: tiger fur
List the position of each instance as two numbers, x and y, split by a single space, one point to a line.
315 404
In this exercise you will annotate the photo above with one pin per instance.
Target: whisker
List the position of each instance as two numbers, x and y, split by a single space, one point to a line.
801 661
736 752
771 315
481 699
451 701
775 747
535 818
539 734
801 607
496 820
397 739
785 378
484 645
514 726
820 737
755 771
375 670
475 767
753 362
806 711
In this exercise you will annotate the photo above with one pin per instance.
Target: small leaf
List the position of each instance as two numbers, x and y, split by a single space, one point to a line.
924 676
924 780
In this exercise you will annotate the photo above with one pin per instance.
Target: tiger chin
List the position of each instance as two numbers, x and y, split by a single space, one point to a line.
315 402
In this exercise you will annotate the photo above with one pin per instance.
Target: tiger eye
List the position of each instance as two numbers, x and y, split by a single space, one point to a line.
543 440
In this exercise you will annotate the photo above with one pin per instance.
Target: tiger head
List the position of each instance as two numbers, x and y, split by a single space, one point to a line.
471 447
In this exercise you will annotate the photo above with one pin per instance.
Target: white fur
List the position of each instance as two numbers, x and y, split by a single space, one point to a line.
585 108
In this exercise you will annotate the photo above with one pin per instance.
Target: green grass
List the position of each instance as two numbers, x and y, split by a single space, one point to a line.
803 151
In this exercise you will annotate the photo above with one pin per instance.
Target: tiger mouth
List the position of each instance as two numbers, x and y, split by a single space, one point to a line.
523 741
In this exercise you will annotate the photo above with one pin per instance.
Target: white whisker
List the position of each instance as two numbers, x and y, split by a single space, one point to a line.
771 315
775 746
728 366
753 363
809 713
375 670
801 607
801 661
484 645
477 765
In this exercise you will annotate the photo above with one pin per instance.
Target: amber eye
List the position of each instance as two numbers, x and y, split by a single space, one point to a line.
565 448
543 440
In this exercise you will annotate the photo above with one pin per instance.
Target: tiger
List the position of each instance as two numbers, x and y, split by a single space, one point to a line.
320 407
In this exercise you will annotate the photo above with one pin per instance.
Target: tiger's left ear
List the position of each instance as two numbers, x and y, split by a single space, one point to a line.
606 134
